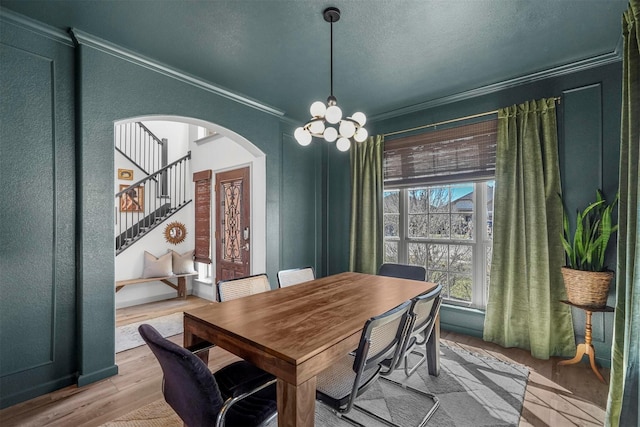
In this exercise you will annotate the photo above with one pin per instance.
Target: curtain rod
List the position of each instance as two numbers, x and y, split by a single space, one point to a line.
488 113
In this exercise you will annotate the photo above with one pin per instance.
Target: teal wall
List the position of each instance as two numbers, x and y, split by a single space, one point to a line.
63 177
589 139
37 219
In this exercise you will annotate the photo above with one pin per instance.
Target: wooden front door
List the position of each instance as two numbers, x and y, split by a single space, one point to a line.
233 220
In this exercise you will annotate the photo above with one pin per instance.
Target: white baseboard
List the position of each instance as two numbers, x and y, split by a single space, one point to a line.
148 299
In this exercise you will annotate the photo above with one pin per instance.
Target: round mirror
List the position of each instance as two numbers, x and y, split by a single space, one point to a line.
175 232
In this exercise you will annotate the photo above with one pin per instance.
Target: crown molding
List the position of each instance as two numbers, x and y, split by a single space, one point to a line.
37 27
82 38
574 67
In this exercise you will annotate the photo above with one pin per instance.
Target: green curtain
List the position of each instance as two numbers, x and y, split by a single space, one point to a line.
624 398
524 308
366 239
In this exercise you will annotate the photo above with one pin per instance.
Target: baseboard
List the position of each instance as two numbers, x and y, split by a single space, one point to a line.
39 390
97 375
148 299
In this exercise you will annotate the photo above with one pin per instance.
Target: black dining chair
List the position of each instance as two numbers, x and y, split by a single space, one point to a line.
239 394
403 271
423 312
339 385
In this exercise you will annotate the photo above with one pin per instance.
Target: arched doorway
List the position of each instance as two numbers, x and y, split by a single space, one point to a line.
214 148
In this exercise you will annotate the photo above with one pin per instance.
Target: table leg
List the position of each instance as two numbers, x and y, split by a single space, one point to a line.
433 349
191 341
586 348
296 404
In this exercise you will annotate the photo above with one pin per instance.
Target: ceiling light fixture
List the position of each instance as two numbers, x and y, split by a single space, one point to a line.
330 114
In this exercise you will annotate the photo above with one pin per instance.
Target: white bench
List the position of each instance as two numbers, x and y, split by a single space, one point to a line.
181 287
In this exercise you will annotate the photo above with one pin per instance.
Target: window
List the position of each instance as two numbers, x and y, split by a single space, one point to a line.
438 207
204 272
447 229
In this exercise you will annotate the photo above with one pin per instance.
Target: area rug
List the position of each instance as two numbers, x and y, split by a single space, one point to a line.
473 390
127 336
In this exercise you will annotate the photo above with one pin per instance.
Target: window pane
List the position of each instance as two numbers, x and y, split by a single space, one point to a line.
391 206
418 225
391 225
460 258
418 201
460 287
462 226
438 255
439 227
417 254
439 277
391 201
391 252
439 199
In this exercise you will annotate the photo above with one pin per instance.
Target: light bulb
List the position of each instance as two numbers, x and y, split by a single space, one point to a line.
361 135
333 114
302 136
317 109
343 144
317 127
347 128
360 118
330 134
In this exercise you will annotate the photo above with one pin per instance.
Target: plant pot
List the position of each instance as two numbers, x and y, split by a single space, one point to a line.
588 288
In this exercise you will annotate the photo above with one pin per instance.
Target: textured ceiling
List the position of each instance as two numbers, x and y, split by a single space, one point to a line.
387 54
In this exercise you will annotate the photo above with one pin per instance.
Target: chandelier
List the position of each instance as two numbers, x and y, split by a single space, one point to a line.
324 115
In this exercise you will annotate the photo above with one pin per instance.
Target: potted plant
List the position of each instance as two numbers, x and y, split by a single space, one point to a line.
586 278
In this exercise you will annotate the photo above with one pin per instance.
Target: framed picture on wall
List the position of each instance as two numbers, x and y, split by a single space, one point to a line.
132 200
125 174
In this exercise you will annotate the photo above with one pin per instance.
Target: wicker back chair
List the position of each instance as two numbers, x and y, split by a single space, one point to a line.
295 276
424 310
339 385
242 287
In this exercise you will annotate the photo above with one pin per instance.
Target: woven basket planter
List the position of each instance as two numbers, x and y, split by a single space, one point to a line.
589 288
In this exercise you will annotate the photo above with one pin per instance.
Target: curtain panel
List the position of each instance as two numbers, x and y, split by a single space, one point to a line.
366 239
524 308
624 396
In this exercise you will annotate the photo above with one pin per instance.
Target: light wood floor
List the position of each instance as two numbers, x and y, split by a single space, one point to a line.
555 396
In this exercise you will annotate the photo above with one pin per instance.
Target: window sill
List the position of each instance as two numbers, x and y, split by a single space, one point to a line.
463 320
204 281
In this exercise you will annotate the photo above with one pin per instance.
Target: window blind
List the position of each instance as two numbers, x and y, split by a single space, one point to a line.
463 153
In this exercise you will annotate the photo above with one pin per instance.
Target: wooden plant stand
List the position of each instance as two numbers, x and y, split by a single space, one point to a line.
587 347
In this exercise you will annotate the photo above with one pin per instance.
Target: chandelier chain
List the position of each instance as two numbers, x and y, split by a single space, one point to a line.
331 74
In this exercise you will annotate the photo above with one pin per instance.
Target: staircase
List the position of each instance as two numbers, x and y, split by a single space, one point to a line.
147 203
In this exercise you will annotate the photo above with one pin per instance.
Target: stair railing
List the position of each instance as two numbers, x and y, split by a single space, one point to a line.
145 204
140 146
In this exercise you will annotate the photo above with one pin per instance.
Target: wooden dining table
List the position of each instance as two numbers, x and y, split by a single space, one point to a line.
296 332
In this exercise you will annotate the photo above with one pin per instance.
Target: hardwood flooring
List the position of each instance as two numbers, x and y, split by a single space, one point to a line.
555 396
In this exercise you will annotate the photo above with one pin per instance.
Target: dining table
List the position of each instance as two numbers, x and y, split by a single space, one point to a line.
296 332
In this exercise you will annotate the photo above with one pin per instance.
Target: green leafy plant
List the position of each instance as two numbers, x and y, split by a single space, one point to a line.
594 227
